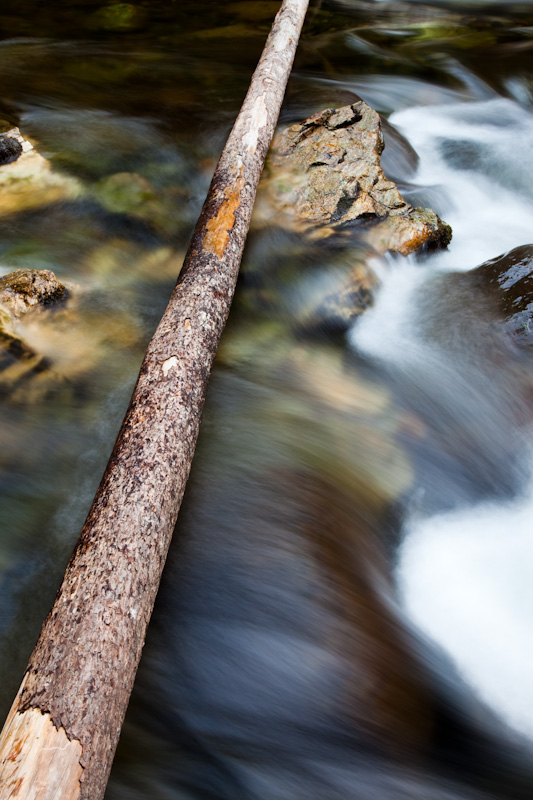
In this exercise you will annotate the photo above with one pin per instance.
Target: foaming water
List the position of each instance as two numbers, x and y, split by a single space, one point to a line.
465 576
480 155
385 331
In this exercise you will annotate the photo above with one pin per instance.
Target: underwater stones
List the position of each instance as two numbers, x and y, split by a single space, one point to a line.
26 288
124 192
324 175
333 310
21 291
133 194
489 308
118 17
27 180
326 411
55 341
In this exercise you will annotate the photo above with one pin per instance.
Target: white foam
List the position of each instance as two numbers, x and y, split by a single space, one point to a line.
385 331
466 580
467 577
487 206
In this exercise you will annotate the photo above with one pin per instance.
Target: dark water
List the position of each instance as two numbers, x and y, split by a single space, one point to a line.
283 661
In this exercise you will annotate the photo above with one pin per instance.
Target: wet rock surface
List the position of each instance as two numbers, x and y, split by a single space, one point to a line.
10 149
24 289
20 292
53 339
509 279
324 178
324 175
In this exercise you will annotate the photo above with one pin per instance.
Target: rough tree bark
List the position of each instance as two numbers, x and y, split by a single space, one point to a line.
62 731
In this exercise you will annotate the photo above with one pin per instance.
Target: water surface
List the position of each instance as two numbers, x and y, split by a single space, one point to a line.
345 608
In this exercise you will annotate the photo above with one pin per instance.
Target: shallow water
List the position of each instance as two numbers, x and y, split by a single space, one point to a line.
345 608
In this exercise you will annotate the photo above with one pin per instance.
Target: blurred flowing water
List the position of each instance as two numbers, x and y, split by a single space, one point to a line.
346 607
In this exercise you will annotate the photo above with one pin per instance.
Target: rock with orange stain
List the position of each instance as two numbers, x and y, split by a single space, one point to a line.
324 178
324 175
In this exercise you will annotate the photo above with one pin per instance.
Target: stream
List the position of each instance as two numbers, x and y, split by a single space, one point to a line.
346 608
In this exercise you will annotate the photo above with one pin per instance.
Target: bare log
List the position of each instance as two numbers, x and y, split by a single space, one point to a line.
61 734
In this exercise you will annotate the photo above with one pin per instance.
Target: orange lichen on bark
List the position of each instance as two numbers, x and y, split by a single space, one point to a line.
219 227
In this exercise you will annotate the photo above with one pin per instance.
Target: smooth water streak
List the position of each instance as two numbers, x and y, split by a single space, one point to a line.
465 576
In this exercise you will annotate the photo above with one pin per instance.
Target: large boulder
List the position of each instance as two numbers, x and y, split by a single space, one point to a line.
324 178
324 175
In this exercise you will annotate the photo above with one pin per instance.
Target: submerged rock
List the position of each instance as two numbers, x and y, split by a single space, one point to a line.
26 288
56 341
27 179
21 291
133 194
481 324
484 311
324 174
326 407
348 296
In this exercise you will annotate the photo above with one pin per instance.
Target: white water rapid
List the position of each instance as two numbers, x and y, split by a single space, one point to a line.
466 576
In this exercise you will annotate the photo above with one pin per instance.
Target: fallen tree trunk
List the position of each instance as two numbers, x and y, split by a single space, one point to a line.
62 731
